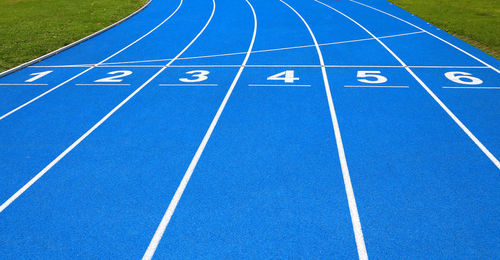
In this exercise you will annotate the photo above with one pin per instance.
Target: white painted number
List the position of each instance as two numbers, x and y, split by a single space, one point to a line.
38 75
362 75
117 78
463 78
287 76
199 75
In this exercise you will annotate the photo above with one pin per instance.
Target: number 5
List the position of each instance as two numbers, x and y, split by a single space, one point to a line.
371 74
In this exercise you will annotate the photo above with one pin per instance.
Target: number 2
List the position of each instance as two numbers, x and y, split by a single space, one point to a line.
117 78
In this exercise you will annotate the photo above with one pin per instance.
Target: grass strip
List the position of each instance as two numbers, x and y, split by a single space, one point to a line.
476 22
32 28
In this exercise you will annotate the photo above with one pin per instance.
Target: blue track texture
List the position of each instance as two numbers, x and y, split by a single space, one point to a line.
335 129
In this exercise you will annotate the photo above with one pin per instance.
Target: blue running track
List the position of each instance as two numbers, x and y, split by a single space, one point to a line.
256 129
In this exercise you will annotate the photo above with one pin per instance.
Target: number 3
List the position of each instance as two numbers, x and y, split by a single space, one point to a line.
199 75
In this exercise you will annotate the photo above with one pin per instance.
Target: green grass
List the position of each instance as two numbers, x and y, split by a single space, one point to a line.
32 28
474 21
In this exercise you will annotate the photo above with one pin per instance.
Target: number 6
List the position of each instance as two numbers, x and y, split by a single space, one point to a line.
458 77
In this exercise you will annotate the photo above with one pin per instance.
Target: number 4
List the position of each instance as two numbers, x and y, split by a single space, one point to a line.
287 76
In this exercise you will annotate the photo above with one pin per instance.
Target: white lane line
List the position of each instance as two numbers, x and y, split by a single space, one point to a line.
62 66
266 50
353 209
275 85
474 87
22 84
443 106
287 65
188 85
435 36
449 67
85 71
110 113
189 172
370 86
109 84
130 66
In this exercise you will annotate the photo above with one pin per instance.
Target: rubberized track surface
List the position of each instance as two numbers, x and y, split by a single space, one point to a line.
255 129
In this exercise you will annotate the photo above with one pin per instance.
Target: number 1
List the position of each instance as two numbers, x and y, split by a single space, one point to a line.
38 75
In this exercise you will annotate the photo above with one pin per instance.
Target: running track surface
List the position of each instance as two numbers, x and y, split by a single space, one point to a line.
254 129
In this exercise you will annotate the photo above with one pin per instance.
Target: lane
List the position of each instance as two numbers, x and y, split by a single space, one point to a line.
479 111
106 44
422 185
415 22
269 182
117 183
29 96
445 108
40 132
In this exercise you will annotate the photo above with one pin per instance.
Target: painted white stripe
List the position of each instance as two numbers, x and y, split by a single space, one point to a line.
63 66
284 65
188 85
189 172
439 38
375 86
274 85
449 67
474 87
353 209
90 84
429 91
22 84
110 113
267 50
85 71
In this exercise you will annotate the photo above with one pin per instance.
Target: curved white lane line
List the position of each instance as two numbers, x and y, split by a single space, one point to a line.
109 114
110 64
443 106
85 71
189 172
353 209
71 45
258 51
435 36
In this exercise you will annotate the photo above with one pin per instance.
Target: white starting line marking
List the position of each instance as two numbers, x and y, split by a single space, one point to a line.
474 87
274 85
190 85
22 84
102 84
279 65
368 86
